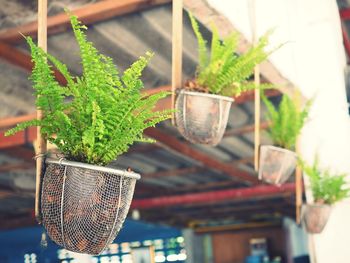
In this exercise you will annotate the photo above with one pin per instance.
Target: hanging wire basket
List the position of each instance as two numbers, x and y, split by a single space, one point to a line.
83 206
201 117
315 217
276 164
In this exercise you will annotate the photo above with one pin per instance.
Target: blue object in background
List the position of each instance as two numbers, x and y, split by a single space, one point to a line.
14 244
253 259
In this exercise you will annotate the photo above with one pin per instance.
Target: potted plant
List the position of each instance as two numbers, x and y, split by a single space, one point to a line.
92 120
327 189
203 106
277 162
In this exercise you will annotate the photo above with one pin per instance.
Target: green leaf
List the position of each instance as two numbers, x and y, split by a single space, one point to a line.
97 116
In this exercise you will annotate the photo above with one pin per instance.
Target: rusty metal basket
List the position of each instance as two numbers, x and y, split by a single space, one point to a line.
315 217
201 117
276 164
83 206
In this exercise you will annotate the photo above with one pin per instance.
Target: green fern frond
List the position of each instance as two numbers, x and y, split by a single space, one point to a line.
202 43
287 121
224 72
22 126
327 187
106 112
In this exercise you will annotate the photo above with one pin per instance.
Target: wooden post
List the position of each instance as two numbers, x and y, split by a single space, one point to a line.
41 142
298 170
298 186
176 51
252 7
298 192
257 117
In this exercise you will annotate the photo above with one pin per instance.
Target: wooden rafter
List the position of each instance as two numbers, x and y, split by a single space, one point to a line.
250 225
88 14
15 166
174 144
16 222
191 170
21 152
20 138
245 129
174 172
214 196
206 186
23 60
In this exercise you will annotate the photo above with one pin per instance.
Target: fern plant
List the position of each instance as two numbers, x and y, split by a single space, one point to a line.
327 188
223 71
287 120
98 115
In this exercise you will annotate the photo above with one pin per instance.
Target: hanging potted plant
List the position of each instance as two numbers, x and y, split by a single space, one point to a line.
277 162
327 189
203 106
92 120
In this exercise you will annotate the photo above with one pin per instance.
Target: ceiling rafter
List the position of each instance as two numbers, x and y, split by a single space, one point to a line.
172 143
214 196
88 14
15 166
192 170
23 60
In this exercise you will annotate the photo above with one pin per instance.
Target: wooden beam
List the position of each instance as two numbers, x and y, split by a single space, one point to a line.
249 95
20 138
239 202
214 196
191 170
205 186
23 60
246 129
6 194
174 172
88 14
176 57
234 209
143 148
11 121
20 152
251 225
16 166
16 222
174 144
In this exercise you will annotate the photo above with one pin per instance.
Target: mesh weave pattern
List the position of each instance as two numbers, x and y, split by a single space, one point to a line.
276 164
83 209
315 217
202 118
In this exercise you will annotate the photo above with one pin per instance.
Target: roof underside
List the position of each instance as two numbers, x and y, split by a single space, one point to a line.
165 171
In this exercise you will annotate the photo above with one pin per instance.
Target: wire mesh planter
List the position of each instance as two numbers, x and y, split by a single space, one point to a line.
201 117
84 206
315 217
276 164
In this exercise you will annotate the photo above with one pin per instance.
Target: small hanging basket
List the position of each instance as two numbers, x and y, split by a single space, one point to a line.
315 217
83 206
202 117
276 164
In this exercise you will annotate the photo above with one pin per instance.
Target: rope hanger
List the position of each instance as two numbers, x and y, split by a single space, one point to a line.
253 27
41 145
176 77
